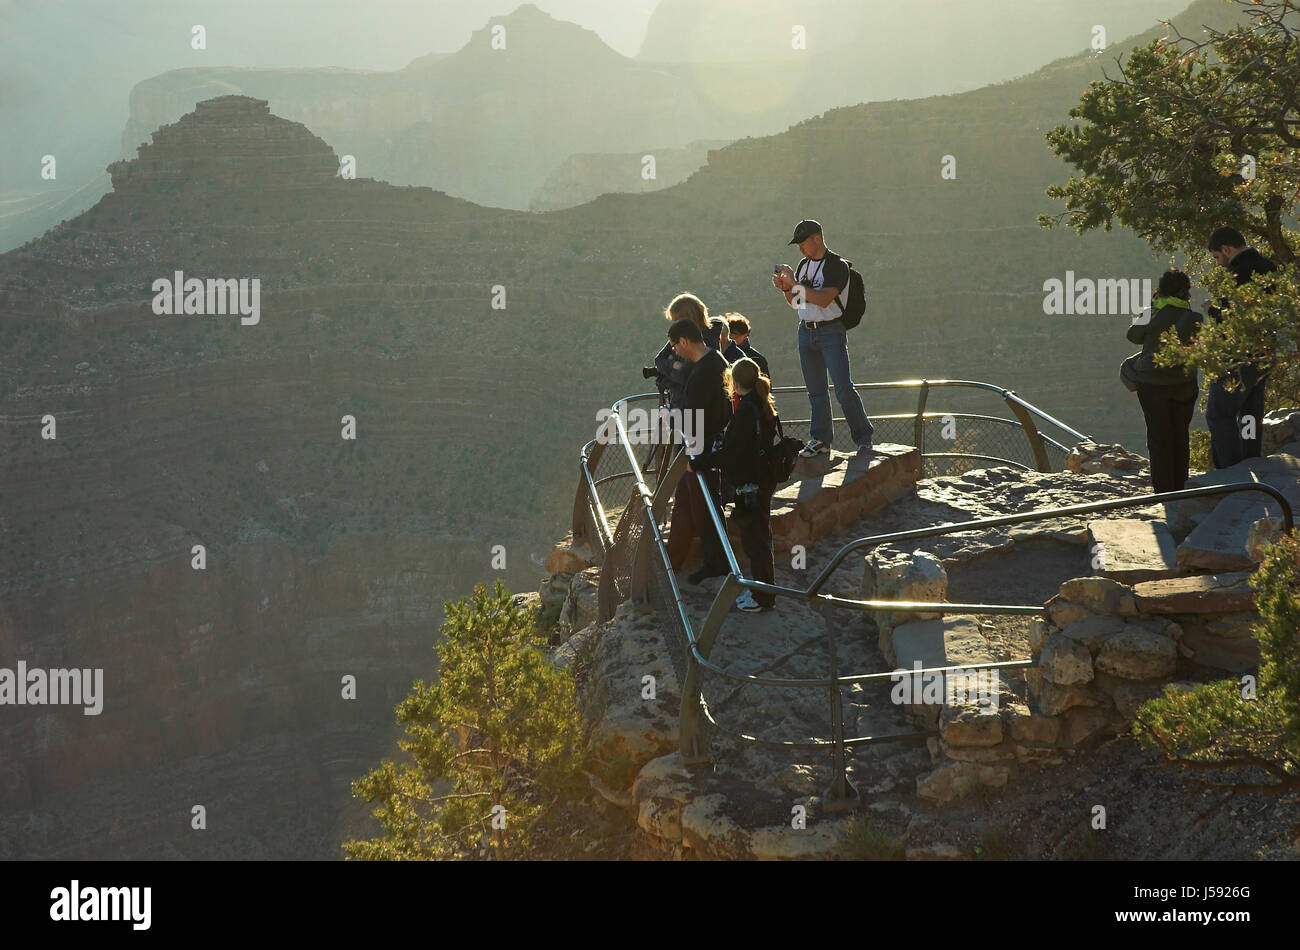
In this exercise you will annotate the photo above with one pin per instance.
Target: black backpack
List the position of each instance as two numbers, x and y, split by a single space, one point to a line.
778 459
857 298
851 312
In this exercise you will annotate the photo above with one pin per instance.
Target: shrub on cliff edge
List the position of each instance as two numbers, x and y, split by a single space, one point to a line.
495 745
1248 733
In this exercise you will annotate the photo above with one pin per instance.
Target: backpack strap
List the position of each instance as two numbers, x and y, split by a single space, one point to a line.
848 281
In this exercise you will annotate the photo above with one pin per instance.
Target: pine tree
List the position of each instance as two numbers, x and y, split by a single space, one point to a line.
1193 134
494 744
1249 729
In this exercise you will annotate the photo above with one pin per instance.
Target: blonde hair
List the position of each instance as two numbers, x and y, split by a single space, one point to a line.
745 372
688 305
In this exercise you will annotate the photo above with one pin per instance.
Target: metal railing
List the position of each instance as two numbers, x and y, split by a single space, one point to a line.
607 478
637 566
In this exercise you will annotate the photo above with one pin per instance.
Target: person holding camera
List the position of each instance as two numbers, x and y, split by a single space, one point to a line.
1167 395
741 457
815 287
670 370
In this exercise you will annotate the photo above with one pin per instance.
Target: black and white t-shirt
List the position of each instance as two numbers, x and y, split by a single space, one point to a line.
830 271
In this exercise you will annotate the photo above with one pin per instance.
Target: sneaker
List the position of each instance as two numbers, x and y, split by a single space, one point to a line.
748 604
814 448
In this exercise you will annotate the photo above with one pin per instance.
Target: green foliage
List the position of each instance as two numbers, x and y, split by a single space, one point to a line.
500 727
1199 458
863 842
1164 145
1190 136
1216 727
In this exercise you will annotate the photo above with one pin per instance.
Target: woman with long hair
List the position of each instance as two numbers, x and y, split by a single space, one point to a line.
742 458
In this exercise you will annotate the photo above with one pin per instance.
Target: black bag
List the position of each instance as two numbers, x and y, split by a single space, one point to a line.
778 459
1128 374
856 306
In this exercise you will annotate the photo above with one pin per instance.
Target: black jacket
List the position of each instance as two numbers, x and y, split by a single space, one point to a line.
1244 266
706 389
750 430
1186 322
674 372
748 349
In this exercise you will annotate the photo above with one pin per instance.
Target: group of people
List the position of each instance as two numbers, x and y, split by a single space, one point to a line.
1235 404
710 368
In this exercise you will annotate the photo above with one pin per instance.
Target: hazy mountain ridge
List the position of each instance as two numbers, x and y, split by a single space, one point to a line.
329 557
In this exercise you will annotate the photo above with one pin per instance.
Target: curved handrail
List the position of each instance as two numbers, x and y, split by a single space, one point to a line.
700 645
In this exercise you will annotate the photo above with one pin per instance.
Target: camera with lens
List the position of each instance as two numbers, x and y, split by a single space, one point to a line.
650 372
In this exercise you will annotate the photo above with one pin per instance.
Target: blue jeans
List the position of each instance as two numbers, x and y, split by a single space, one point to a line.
1224 413
826 350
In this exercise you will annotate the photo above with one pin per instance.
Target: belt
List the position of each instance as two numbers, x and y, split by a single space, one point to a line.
814 324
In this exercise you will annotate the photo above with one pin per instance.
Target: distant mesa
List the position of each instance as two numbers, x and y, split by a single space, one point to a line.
227 142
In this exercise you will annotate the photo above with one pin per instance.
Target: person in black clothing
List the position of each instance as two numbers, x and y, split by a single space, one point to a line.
1167 395
749 432
740 329
673 370
1226 410
706 405
726 345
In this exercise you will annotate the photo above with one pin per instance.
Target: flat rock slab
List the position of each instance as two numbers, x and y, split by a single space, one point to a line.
1133 551
1204 594
1219 542
954 641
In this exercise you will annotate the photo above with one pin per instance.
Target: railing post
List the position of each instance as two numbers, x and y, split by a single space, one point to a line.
1031 433
918 426
840 795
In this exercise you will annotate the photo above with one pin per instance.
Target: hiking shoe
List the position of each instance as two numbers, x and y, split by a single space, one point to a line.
748 604
814 448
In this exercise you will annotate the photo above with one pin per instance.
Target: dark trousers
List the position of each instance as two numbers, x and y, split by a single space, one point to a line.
1168 411
1225 413
756 540
691 518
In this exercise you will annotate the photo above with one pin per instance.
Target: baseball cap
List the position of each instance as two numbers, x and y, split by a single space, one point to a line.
804 230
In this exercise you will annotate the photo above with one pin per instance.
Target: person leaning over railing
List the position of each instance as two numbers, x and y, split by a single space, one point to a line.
1167 395
674 371
740 457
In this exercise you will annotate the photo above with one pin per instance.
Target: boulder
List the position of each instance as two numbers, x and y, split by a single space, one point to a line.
889 574
1137 653
581 608
970 724
953 780
1278 428
1102 595
1092 630
1092 458
568 560
1065 661
1204 594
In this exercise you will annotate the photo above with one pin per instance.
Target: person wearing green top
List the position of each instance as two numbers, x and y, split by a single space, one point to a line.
1167 395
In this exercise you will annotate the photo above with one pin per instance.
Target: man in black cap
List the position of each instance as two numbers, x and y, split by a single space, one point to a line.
817 288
